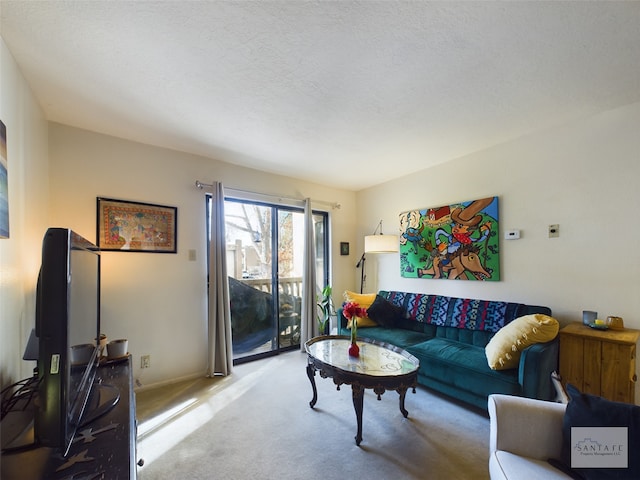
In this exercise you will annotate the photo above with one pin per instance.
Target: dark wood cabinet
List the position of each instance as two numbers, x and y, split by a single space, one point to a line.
105 448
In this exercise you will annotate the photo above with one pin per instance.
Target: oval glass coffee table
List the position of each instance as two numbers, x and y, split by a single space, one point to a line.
380 366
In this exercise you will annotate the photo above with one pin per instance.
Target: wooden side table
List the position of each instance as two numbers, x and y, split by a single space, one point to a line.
599 362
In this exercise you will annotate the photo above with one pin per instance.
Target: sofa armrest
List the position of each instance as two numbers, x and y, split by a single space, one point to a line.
525 426
537 362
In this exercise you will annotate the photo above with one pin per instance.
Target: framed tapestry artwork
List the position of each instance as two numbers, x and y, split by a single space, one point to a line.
456 242
136 227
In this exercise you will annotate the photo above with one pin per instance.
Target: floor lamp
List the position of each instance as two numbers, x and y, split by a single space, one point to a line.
376 243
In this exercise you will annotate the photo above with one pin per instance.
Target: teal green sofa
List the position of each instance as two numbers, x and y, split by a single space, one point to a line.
448 335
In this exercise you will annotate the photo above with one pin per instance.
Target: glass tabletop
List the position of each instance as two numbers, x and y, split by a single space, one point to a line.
375 359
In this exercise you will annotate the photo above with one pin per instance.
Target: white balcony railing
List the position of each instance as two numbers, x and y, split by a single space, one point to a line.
288 285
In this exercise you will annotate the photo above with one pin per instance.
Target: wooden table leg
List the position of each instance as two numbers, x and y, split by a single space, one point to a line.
311 373
357 392
403 394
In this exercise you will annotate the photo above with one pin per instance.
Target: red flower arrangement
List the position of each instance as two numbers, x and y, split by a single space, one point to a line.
351 310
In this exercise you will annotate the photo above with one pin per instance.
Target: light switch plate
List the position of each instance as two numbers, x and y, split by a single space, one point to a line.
512 235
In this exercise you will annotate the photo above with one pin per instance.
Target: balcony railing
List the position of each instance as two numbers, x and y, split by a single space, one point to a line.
288 285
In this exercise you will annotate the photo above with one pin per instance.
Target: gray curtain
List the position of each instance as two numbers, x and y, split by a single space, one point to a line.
220 353
309 325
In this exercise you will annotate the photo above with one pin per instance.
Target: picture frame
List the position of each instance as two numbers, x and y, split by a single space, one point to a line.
344 248
453 242
129 226
4 183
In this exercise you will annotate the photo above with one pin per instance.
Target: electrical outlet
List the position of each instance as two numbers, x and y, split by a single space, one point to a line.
145 361
554 231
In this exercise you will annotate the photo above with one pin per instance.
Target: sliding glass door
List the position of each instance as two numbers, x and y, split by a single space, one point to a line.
265 252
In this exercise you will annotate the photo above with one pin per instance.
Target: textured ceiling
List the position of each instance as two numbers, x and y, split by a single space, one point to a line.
349 93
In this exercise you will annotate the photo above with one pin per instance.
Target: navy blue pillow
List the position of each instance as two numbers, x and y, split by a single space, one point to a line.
385 313
584 410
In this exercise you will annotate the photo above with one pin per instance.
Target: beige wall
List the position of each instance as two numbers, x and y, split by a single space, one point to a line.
158 301
28 216
583 176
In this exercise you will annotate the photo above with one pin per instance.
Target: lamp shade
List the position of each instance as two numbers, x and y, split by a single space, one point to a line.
381 243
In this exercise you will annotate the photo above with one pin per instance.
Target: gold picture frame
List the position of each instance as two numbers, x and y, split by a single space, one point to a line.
127 226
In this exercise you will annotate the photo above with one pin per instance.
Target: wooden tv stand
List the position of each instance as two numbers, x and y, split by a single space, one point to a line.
105 448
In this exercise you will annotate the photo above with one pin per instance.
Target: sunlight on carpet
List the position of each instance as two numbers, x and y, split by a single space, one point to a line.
158 435
257 424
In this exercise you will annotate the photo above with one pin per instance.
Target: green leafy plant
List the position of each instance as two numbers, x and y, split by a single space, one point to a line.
325 308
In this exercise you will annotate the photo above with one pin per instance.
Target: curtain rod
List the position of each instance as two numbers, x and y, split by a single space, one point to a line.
334 205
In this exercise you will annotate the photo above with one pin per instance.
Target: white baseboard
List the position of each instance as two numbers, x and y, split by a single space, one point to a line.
139 387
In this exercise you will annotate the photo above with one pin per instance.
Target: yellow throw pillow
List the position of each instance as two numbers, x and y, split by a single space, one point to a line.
362 322
365 300
504 349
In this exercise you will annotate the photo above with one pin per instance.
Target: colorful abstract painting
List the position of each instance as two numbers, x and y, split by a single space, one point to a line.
456 242
4 184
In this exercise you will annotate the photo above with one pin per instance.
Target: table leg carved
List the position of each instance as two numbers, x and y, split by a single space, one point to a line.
403 394
311 373
357 392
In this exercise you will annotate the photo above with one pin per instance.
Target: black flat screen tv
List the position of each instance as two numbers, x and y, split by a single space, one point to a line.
67 326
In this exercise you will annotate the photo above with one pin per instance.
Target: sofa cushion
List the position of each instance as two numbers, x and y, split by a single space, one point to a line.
504 349
385 313
463 366
584 410
509 466
477 338
395 336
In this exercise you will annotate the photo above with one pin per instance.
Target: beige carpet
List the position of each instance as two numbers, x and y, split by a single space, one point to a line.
257 424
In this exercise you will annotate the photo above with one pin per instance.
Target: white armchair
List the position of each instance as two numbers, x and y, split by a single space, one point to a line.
524 434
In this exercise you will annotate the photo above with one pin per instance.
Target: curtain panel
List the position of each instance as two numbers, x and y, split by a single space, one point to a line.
220 350
308 328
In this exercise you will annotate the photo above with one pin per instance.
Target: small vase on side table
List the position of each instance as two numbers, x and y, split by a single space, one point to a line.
354 350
